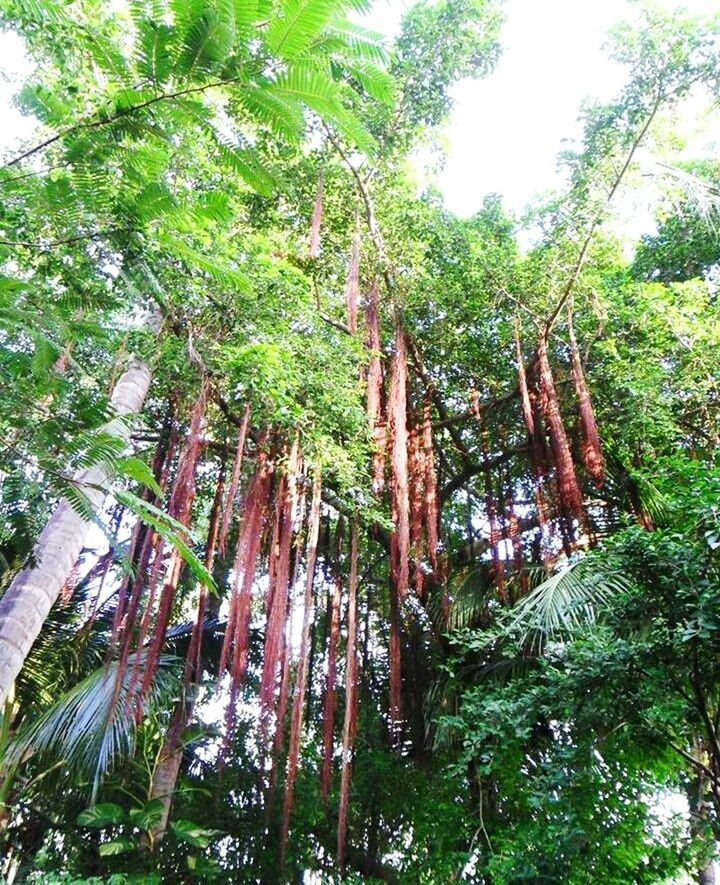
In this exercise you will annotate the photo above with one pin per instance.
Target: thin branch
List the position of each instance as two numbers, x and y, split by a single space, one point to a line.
49 244
582 255
122 112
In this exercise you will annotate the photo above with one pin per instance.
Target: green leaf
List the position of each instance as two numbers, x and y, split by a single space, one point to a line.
378 83
154 56
281 113
140 472
148 815
189 832
117 846
298 23
170 530
102 815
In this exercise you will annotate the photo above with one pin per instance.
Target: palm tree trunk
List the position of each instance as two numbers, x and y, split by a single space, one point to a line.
29 598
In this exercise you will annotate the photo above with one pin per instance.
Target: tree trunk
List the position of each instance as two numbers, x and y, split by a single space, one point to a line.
29 598
167 770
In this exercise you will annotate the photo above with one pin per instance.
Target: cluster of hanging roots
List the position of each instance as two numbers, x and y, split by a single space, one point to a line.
260 521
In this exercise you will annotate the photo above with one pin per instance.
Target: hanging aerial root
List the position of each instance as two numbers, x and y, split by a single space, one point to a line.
351 685
590 438
316 219
498 570
278 586
179 507
235 646
191 671
330 701
141 543
568 489
515 534
395 664
416 469
352 285
234 481
375 388
301 679
432 508
287 654
397 409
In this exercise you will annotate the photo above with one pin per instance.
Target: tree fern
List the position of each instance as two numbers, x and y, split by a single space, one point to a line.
297 24
153 54
282 114
353 41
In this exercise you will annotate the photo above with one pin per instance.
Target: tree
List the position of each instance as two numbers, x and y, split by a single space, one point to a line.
338 351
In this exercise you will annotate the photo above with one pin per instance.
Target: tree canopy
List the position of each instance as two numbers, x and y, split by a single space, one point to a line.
343 538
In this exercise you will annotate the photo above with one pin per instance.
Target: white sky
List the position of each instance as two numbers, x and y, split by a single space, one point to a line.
505 131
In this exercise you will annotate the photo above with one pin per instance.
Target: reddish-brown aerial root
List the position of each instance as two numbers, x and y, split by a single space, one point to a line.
234 481
416 466
179 507
568 489
525 403
330 701
375 387
236 641
351 674
141 543
590 438
395 666
299 501
278 587
400 536
397 410
352 285
301 679
316 219
534 427
192 659
515 534
498 570
432 507
70 584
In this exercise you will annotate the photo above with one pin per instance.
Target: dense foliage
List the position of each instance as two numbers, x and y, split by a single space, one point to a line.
343 539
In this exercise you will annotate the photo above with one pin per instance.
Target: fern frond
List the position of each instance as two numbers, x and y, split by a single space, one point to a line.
153 55
44 12
279 112
226 276
297 24
206 45
374 80
354 42
248 166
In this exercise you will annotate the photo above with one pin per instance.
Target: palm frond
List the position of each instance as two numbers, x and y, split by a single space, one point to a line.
569 598
88 729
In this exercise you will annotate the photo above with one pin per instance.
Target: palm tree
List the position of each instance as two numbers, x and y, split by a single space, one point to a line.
32 593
